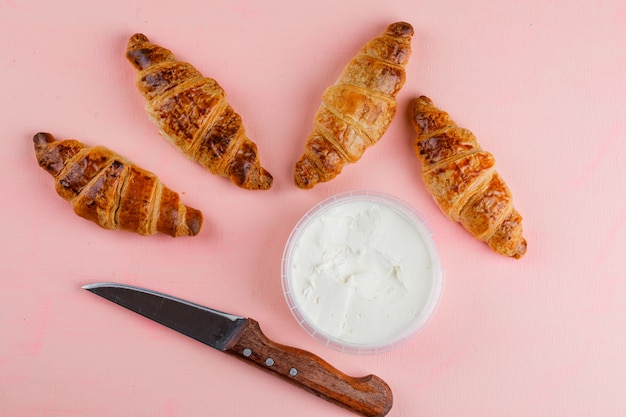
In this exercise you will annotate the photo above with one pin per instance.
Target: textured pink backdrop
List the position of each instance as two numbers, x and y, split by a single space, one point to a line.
542 84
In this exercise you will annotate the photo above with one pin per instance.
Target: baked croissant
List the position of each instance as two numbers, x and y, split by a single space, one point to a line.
191 112
356 111
109 190
463 181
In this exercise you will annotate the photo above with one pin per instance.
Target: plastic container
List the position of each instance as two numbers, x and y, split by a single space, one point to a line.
360 272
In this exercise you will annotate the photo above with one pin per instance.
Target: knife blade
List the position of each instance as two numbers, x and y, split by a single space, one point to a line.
242 337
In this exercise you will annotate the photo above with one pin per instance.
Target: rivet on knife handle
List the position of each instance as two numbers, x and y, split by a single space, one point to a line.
369 396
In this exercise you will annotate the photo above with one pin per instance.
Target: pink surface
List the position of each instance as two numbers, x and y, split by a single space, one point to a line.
542 86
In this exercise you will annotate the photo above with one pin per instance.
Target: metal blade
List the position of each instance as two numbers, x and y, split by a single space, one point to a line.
211 327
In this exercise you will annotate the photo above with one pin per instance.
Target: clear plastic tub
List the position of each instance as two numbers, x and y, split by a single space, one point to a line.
361 273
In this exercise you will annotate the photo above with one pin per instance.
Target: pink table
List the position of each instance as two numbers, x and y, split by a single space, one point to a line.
542 86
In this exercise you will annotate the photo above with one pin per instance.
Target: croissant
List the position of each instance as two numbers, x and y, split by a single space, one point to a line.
356 111
112 192
191 112
463 181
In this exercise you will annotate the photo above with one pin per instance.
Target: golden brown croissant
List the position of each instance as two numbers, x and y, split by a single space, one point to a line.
191 111
358 108
109 190
463 181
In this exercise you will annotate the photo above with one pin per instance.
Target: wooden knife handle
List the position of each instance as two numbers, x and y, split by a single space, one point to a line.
369 395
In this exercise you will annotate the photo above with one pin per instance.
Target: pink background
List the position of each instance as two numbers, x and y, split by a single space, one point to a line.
541 83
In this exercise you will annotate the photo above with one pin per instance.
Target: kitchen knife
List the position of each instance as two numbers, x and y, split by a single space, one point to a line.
242 337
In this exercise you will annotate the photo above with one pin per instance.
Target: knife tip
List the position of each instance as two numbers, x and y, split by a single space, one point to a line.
96 285
89 286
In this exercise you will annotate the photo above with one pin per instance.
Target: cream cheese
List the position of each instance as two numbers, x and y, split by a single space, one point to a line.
361 272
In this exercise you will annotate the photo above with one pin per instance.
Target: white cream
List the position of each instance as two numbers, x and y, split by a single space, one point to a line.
362 272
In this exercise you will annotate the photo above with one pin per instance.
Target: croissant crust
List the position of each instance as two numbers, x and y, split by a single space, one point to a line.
111 191
356 111
191 111
462 179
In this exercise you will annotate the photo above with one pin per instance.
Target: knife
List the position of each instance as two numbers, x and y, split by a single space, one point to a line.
242 337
